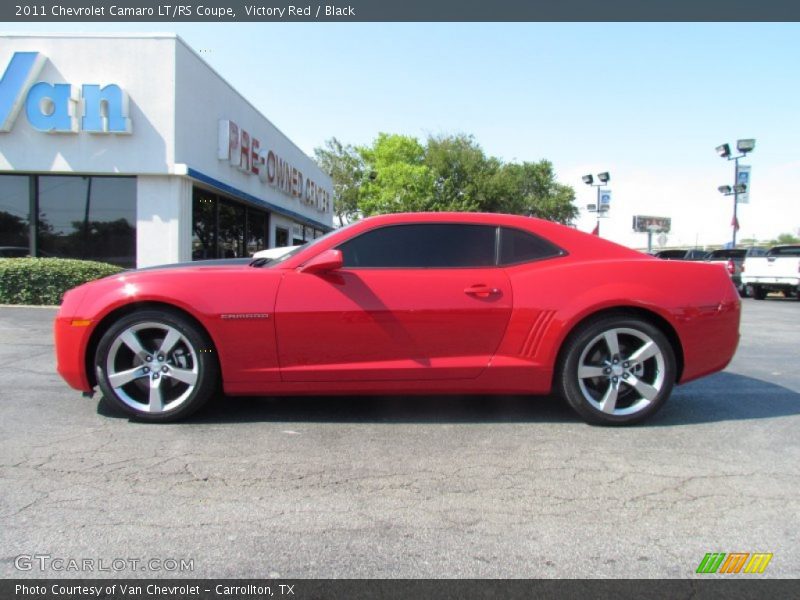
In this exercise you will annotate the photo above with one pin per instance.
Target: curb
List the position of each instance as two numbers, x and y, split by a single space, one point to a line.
29 306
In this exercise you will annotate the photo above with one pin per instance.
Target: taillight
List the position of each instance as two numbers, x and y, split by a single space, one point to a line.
731 266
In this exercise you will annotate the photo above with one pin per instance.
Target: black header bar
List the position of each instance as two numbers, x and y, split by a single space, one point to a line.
49 11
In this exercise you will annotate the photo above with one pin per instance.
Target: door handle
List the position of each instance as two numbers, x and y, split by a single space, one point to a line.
481 290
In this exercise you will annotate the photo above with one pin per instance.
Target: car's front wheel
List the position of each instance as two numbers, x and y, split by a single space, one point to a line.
156 366
617 370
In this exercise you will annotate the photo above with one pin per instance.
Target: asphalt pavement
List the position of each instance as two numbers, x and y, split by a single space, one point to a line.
401 487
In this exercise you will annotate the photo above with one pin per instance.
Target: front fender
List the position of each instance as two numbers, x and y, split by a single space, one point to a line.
234 306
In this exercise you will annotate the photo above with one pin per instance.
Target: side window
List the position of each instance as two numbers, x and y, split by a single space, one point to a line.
428 245
785 251
517 246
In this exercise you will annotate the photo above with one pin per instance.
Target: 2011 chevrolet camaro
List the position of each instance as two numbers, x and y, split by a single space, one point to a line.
407 304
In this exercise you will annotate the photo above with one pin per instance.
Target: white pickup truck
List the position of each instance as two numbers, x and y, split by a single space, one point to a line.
777 271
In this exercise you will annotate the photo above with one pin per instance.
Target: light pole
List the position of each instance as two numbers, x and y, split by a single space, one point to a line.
744 147
599 208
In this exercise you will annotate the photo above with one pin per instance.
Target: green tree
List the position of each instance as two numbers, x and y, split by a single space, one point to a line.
396 173
398 180
346 168
460 171
531 189
786 238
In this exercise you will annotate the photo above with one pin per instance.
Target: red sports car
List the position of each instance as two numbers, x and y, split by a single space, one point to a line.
407 304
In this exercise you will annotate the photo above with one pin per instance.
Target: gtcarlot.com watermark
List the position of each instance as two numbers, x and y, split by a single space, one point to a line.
63 564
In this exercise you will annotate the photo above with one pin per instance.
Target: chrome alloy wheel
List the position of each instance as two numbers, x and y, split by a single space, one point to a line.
621 371
152 367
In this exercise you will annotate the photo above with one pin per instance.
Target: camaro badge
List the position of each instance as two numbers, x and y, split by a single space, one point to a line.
244 316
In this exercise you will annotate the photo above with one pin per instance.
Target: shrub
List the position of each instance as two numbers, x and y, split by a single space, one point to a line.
45 280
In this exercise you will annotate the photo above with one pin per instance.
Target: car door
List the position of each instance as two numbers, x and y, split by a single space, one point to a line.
412 301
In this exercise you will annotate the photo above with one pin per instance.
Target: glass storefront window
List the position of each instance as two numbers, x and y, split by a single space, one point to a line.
91 218
281 237
204 225
223 228
230 230
257 228
85 217
112 221
14 215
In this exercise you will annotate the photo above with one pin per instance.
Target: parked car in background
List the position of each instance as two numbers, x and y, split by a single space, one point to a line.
777 271
273 253
732 259
14 251
22 252
454 303
681 254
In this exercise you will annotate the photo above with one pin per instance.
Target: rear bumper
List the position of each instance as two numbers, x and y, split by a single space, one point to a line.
710 336
778 281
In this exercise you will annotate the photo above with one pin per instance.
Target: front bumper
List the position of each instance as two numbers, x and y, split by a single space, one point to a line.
72 342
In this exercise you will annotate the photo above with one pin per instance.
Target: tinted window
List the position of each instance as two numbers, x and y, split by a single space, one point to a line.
785 251
230 230
724 254
257 231
281 237
204 225
671 254
422 246
519 246
15 207
88 217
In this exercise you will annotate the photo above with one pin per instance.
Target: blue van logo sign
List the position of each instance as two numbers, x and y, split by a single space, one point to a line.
58 107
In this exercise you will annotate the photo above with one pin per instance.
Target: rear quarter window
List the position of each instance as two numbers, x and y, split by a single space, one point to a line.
517 246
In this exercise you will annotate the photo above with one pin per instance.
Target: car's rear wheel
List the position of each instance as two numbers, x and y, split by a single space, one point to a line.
617 370
757 292
156 366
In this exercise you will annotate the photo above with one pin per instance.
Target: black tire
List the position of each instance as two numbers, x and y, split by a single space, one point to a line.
587 374
757 292
151 385
743 291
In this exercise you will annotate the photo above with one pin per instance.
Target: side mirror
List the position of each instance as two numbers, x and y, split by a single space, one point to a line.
330 260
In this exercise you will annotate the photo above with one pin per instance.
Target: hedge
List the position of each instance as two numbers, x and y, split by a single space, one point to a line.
46 280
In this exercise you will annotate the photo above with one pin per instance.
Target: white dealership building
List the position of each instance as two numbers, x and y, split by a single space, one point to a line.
131 149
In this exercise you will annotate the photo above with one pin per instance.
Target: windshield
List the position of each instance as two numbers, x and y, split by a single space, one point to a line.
263 262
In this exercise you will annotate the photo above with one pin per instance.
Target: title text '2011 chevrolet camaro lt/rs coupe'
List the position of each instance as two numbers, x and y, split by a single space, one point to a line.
429 303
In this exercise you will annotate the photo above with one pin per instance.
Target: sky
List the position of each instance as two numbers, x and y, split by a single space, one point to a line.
646 102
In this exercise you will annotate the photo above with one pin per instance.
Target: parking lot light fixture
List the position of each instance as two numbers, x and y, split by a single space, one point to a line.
744 146
597 208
